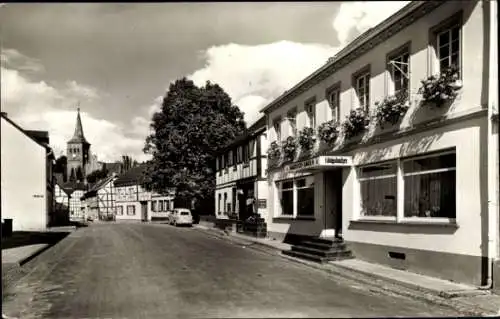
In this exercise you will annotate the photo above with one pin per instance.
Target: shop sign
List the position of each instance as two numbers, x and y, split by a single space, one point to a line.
319 162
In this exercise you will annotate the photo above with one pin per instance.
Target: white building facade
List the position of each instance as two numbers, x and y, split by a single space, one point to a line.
26 178
416 188
241 180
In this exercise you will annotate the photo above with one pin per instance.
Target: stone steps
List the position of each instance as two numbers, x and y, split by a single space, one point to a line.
320 250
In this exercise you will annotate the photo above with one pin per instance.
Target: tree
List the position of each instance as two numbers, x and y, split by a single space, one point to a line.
127 163
98 175
72 177
192 126
61 167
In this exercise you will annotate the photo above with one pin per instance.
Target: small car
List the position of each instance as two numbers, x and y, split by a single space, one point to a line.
181 216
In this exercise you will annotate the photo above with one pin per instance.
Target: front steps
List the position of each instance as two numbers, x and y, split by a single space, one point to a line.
320 250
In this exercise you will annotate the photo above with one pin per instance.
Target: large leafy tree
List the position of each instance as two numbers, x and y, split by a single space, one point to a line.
193 125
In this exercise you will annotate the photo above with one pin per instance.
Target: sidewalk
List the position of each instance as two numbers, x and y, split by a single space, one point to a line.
462 297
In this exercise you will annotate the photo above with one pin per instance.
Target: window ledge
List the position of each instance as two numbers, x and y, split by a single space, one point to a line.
405 223
285 218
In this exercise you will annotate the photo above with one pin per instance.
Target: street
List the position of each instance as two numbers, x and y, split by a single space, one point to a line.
159 271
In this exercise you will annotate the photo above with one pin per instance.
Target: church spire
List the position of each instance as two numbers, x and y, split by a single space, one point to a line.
78 136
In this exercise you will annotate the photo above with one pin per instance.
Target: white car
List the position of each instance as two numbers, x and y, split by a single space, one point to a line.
181 216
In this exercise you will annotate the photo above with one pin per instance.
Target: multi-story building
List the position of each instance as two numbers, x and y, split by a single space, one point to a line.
406 171
241 184
76 205
27 182
101 198
134 202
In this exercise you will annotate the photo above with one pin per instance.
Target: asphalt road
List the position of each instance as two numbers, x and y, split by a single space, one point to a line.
158 271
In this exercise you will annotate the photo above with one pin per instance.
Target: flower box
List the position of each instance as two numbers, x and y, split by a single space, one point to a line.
306 138
289 148
328 132
439 89
392 108
356 122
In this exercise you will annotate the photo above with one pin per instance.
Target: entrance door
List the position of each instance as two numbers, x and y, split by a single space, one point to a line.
333 203
144 211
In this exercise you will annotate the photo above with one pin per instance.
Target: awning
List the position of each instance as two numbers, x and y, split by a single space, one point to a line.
319 163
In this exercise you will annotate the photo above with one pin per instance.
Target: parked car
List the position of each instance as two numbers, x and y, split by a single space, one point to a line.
181 216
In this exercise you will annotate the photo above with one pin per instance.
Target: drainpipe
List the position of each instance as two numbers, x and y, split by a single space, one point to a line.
492 143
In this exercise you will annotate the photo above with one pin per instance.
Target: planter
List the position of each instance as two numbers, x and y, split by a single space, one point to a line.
328 132
306 139
439 89
356 122
289 148
392 109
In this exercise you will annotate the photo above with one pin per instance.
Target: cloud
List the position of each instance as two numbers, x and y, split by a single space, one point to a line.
40 106
253 75
13 59
354 18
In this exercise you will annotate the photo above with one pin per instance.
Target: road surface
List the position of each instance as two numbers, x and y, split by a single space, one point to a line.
159 271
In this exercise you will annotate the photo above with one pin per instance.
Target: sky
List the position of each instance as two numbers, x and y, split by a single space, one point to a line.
116 60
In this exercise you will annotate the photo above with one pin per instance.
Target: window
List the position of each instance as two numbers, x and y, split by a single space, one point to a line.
311 114
362 87
225 200
430 186
334 102
251 148
229 208
378 184
220 198
246 151
287 198
305 198
154 204
277 129
231 158
160 205
240 154
119 210
292 121
448 47
399 67
130 210
166 205
217 164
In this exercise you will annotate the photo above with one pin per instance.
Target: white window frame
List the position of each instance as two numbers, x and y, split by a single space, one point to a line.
365 90
310 109
400 214
291 117
334 103
429 220
392 68
119 210
361 179
296 196
131 206
449 30
277 129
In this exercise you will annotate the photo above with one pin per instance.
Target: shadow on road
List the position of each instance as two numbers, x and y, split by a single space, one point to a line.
25 238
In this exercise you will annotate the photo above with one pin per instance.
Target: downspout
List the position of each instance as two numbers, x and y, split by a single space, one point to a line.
491 142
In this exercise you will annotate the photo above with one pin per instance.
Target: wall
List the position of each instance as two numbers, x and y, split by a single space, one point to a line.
24 183
164 212
136 217
422 62
262 194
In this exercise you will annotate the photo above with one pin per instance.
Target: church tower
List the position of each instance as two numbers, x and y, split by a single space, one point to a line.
77 153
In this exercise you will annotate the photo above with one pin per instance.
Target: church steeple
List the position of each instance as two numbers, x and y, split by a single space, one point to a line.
78 136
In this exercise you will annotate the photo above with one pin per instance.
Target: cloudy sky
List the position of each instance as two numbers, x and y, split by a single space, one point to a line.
117 60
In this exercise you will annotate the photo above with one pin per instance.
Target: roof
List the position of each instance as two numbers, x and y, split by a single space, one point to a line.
113 167
133 176
33 135
97 186
73 186
78 136
256 128
364 39
40 136
66 191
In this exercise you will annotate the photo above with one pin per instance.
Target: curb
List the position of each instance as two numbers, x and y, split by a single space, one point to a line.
374 282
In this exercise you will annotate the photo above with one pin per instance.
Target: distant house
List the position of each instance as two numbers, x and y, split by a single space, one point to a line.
27 186
61 204
76 208
134 203
100 199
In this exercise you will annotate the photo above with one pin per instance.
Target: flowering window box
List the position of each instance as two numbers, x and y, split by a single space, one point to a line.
355 123
439 89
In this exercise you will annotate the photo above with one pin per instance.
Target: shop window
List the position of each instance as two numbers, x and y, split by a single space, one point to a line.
430 186
119 210
130 210
166 205
378 185
287 198
305 198
153 206
160 205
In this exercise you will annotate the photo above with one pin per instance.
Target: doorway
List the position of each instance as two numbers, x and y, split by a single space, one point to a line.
333 202
144 211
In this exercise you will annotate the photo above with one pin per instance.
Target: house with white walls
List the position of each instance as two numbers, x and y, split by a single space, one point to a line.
27 186
135 203
61 204
391 145
100 199
241 183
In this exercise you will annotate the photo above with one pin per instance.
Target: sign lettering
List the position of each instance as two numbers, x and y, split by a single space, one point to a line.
336 160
